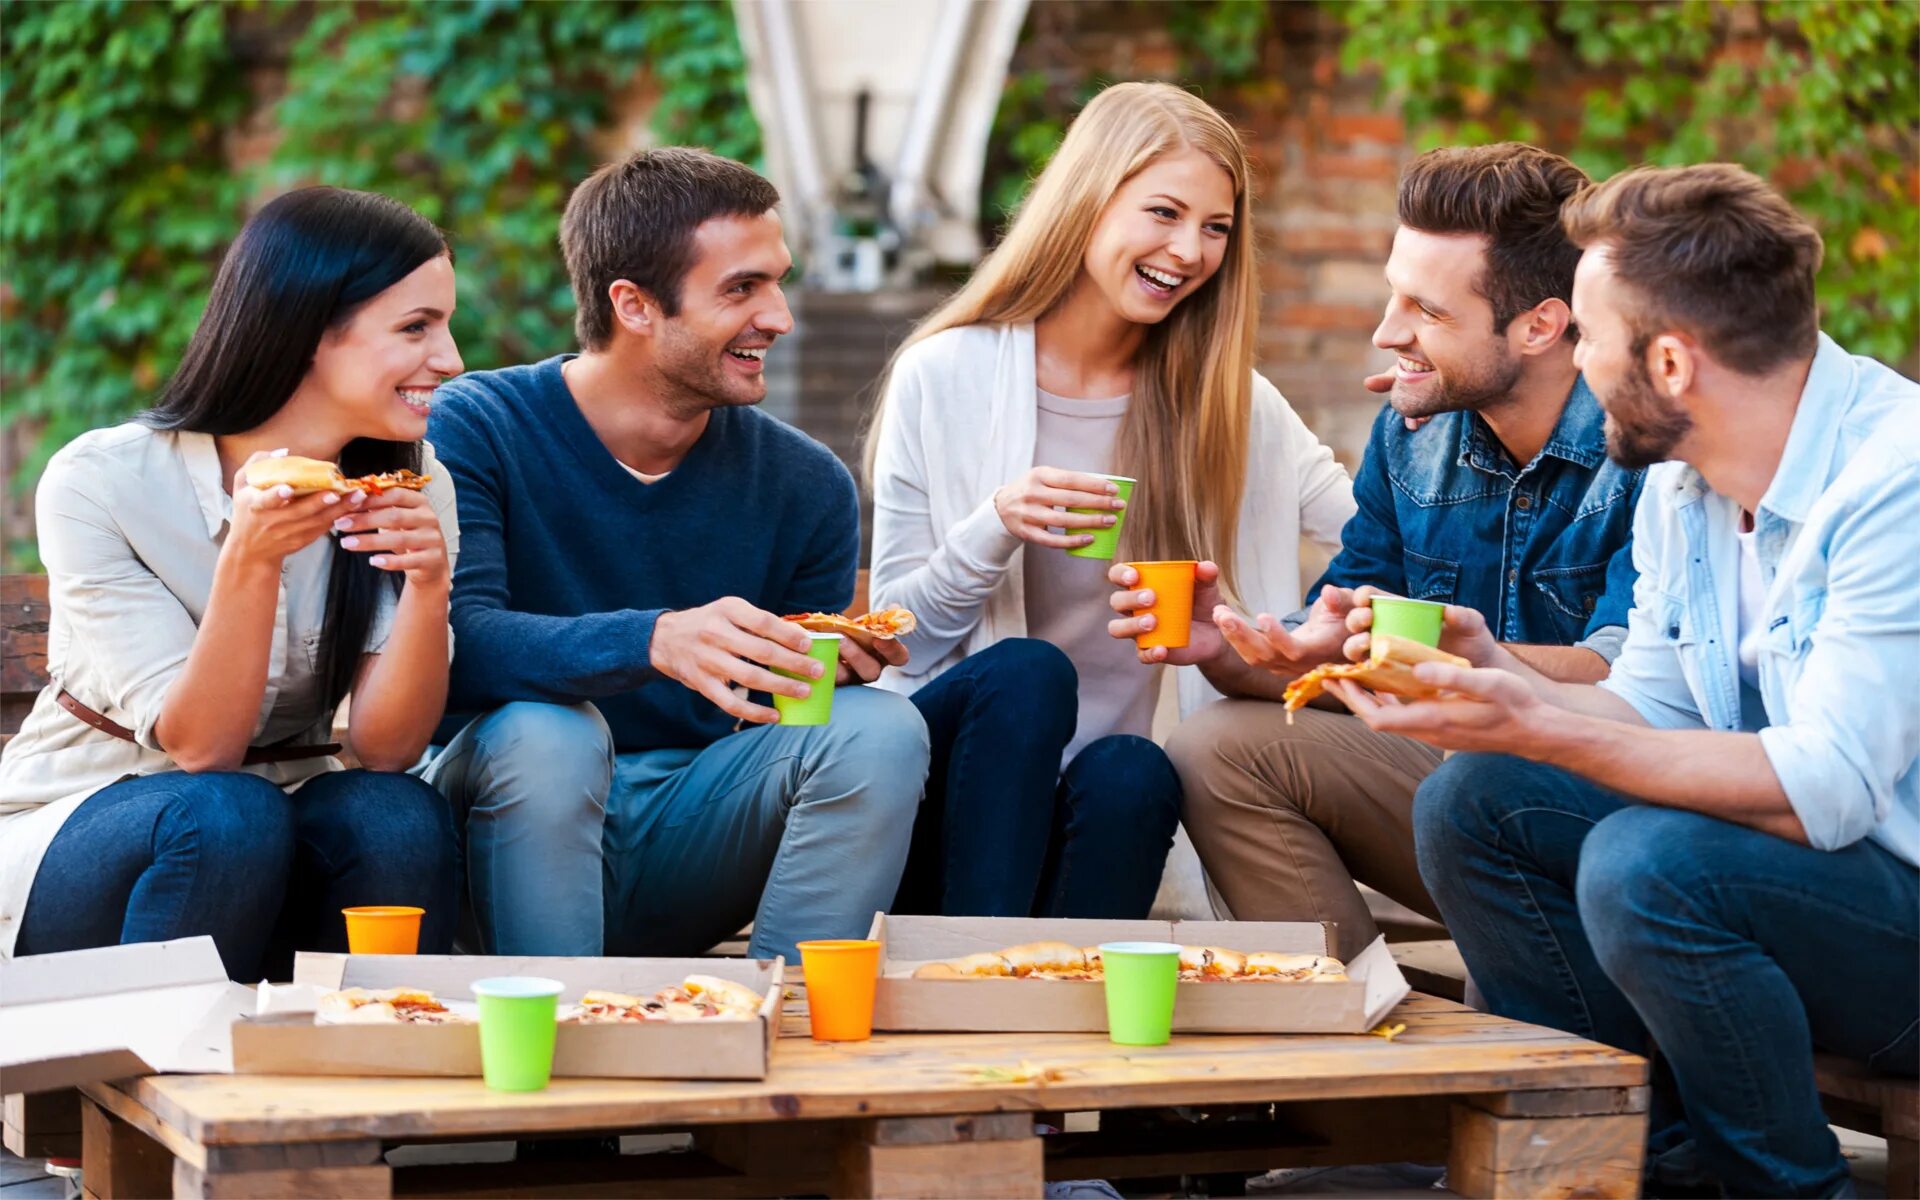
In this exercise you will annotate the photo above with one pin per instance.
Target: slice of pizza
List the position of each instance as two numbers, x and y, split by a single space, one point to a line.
734 999
886 624
1207 963
973 966
387 481
1294 968
1388 668
391 1006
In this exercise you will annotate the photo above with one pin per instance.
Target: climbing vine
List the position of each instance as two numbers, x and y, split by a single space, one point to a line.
1823 96
122 186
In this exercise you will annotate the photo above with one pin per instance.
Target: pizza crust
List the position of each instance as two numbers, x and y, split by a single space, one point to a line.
1389 668
885 624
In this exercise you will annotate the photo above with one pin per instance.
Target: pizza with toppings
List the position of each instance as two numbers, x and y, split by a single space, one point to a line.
886 624
1198 964
696 998
304 476
389 1006
1388 668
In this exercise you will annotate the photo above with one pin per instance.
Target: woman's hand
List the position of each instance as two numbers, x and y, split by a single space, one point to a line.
1031 503
269 525
402 532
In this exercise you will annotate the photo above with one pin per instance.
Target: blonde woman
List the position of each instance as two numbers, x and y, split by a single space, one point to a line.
1111 332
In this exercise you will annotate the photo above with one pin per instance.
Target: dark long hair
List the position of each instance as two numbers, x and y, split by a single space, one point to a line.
301 267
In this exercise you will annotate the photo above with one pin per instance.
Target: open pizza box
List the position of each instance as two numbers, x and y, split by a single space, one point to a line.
1374 983
289 1042
84 1016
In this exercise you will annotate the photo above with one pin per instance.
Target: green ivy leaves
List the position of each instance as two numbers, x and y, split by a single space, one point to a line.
1823 96
120 194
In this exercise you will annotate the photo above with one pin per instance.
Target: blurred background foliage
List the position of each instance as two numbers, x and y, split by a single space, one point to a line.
137 135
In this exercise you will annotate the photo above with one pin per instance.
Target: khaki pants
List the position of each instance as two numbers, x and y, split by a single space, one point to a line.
1288 817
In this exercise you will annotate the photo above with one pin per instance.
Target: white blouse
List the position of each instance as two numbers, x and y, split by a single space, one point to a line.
131 521
959 420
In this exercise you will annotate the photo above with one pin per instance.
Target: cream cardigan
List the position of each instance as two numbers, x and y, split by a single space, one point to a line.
957 422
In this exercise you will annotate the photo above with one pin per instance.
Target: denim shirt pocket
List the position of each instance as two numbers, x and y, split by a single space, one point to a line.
1790 636
1430 578
1572 593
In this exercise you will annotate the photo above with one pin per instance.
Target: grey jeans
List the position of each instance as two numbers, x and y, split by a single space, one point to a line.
573 849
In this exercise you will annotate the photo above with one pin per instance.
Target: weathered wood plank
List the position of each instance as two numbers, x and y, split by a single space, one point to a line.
119 1160
1569 1102
1502 1158
42 1125
933 1170
306 1183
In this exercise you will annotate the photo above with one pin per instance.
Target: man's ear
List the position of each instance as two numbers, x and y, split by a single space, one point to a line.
634 309
1542 327
1672 362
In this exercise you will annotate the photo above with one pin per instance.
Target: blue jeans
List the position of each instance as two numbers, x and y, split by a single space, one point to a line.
573 849
1734 952
1003 832
230 855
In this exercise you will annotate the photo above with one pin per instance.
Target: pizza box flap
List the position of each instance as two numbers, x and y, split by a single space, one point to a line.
82 1016
290 1043
1374 986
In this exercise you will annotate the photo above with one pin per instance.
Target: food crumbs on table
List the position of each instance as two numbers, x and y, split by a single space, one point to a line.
1388 1032
1026 1072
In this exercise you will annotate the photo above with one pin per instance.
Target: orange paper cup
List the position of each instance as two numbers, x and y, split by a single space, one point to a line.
1172 608
840 981
383 929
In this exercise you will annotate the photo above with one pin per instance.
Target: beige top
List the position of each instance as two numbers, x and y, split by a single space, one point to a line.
131 521
1067 597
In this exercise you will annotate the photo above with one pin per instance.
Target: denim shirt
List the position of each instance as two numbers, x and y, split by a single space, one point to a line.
1838 538
1543 551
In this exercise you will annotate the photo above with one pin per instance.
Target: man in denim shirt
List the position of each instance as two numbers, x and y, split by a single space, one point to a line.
1503 501
1713 852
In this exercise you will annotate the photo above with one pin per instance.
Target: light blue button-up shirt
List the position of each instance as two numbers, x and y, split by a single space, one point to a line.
1838 538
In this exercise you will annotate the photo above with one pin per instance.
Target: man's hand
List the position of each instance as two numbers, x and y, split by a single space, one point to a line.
857 665
1494 710
1463 631
1265 643
716 646
1204 643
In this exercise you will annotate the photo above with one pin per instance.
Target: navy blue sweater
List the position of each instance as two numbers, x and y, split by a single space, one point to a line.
566 560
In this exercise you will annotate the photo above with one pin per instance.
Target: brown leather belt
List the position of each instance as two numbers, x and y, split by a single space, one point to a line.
256 755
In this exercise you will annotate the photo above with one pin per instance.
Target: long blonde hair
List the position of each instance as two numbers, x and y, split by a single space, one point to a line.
1185 432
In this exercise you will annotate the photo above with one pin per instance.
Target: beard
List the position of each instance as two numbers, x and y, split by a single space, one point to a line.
693 380
1469 387
1643 427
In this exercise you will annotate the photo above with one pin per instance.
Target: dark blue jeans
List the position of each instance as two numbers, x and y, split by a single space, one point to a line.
1732 952
230 855
1003 832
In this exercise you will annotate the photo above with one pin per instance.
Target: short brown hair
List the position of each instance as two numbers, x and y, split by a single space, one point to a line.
635 220
1509 193
1711 249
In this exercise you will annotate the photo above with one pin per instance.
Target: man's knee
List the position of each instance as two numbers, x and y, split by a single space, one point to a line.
1459 807
527 755
1218 748
1641 866
877 742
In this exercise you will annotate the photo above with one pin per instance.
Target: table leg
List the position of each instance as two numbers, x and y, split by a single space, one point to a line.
991 1155
1587 1142
118 1160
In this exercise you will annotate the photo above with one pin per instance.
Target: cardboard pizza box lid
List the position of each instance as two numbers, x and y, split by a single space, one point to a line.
83 1016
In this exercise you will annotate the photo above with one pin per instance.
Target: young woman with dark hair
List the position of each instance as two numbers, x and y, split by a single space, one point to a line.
173 778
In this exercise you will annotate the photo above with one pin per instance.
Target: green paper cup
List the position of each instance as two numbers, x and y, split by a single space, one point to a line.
1142 978
1414 620
816 709
1106 542
518 1020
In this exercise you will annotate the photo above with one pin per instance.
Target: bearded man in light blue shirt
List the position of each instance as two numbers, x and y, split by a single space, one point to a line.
1712 853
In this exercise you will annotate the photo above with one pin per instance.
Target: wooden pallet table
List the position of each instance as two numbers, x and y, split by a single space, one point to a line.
1515 1110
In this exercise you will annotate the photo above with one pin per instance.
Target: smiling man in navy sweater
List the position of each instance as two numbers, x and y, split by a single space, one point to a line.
630 527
